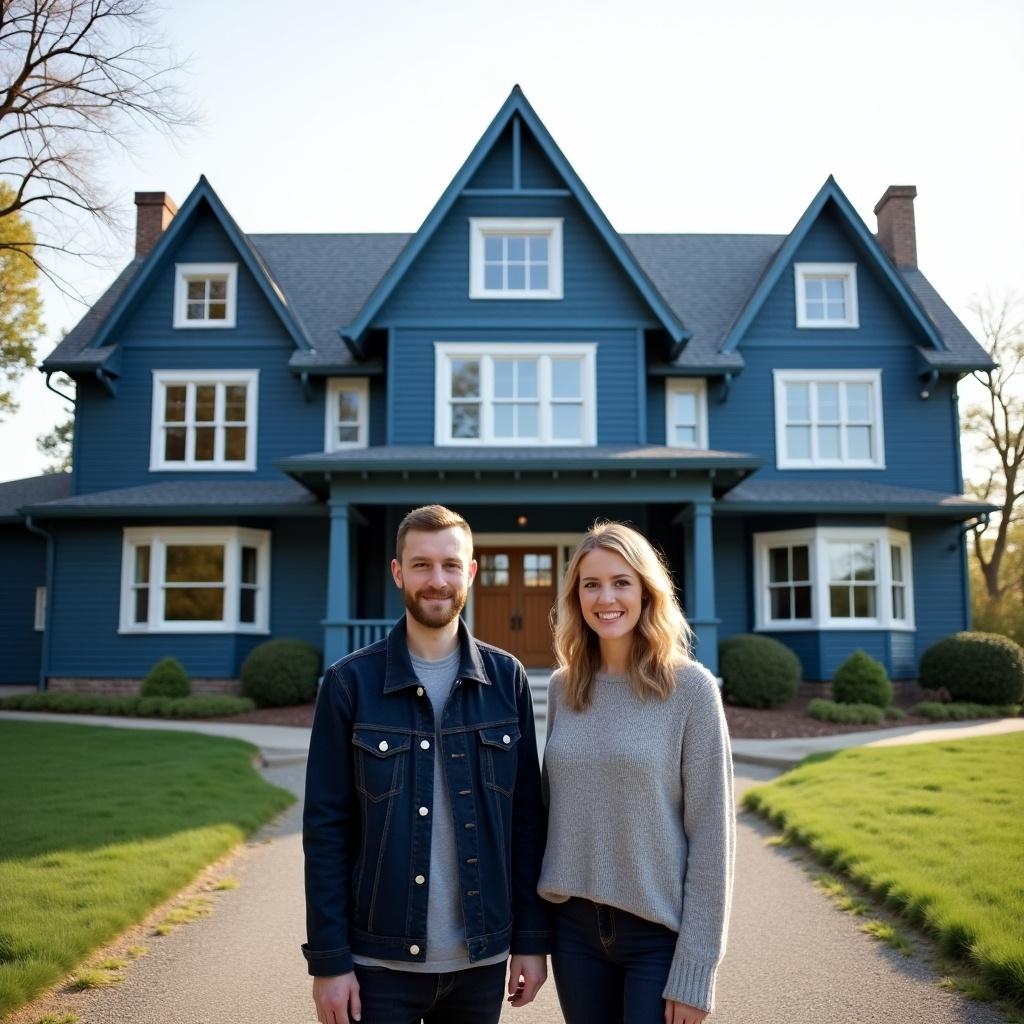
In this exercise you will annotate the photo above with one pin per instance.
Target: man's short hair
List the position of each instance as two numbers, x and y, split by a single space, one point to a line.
430 519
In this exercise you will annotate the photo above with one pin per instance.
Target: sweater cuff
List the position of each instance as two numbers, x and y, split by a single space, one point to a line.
692 983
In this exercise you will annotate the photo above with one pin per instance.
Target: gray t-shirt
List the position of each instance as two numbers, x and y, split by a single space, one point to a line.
446 931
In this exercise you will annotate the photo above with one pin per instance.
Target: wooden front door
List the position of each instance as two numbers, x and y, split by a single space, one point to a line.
513 594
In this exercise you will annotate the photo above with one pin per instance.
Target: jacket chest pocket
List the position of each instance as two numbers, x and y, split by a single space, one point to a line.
498 746
379 762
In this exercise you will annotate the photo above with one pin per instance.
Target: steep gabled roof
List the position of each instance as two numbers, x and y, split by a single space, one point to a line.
517 106
830 192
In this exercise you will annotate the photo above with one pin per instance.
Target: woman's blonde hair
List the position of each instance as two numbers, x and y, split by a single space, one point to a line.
661 639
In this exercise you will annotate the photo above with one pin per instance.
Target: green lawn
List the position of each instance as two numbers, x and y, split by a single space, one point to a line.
936 830
97 826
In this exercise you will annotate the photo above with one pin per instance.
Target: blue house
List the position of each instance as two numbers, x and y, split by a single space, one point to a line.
255 414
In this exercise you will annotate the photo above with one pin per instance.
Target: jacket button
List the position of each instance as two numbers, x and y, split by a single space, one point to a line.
469 824
424 812
506 738
382 746
424 744
420 879
419 691
414 950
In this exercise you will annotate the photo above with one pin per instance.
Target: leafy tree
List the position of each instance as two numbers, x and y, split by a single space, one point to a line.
996 423
56 446
20 305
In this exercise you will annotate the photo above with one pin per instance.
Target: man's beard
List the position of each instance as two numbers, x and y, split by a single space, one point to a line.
438 616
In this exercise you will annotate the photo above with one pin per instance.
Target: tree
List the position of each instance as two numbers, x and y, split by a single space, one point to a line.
75 76
56 446
997 423
20 305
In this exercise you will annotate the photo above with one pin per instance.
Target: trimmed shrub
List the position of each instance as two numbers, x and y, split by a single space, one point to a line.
849 714
145 707
167 678
155 707
211 706
862 680
281 672
963 711
757 671
982 668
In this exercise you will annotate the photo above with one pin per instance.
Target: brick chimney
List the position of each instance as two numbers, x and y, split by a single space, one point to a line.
154 212
896 231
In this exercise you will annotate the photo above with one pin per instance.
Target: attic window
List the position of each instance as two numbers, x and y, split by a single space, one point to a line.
515 258
204 294
826 295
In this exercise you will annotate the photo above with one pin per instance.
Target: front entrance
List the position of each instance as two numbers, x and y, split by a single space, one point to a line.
514 590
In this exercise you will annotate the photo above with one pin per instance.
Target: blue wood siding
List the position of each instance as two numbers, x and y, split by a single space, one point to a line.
536 171
495 171
885 340
412 377
86 605
23 557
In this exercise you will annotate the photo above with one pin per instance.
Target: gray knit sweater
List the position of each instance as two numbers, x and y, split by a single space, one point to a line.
641 815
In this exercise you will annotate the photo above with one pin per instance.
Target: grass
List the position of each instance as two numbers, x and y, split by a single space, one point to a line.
59 1018
102 825
224 884
934 830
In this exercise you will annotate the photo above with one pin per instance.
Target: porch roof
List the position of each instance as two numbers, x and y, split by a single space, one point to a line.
15 493
846 496
214 498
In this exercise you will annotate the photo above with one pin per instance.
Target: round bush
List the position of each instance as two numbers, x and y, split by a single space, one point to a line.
758 672
281 672
167 678
862 680
983 668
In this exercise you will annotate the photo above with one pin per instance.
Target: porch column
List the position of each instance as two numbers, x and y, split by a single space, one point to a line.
699 579
339 608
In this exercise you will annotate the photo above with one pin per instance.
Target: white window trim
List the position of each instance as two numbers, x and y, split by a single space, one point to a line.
873 377
233 538
39 624
848 272
817 539
161 378
698 387
183 273
336 385
480 227
445 351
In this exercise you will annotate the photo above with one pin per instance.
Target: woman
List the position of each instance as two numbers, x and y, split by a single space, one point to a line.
638 779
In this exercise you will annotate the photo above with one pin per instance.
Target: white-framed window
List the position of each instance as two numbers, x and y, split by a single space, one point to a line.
205 294
204 419
203 579
347 414
833 578
39 623
515 258
828 419
826 294
686 413
515 394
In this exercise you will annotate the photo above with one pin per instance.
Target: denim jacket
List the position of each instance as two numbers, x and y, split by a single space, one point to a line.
369 789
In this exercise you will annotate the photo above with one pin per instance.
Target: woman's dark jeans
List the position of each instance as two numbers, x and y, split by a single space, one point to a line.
472 996
610 967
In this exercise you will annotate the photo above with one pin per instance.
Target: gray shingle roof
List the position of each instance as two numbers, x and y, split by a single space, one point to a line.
30 491
846 496
705 279
228 497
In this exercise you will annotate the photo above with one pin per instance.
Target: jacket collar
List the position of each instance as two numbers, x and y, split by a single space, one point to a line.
398 670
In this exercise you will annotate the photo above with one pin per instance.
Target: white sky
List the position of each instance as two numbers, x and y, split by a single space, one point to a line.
679 116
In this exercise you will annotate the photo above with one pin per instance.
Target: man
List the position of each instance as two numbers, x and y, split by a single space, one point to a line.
423 826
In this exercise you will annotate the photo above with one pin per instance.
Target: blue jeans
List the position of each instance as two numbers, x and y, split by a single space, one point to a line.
610 967
471 996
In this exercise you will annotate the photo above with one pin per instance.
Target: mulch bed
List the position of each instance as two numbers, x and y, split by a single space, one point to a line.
790 720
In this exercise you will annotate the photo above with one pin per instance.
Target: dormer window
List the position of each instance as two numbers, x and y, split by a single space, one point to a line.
515 258
204 294
826 295
348 413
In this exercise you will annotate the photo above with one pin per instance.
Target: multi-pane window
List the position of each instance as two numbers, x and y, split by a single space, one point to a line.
538 569
189 580
204 422
828 419
493 570
823 577
515 258
515 394
686 414
348 413
826 294
205 294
